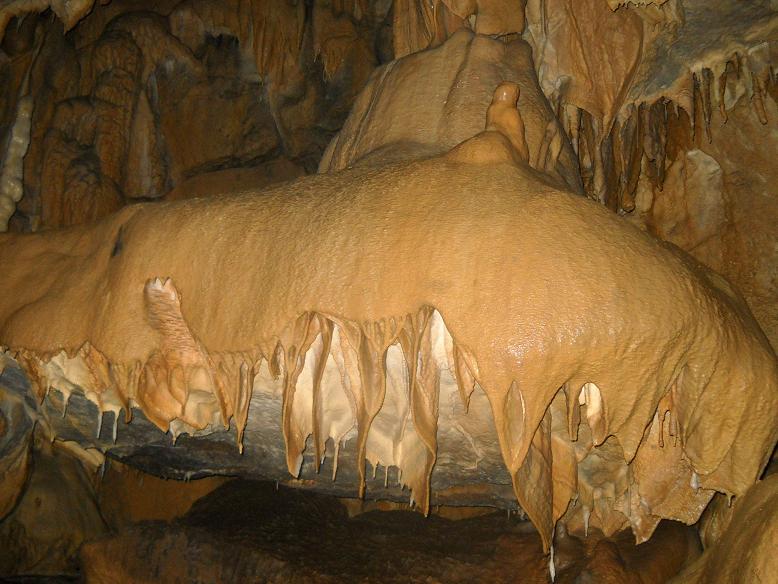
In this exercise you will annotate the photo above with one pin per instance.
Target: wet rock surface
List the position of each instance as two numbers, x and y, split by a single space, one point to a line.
662 111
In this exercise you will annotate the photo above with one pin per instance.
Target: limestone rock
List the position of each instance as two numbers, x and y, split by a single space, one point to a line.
745 551
427 103
115 98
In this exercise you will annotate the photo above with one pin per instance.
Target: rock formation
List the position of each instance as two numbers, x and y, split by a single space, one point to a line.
745 544
471 294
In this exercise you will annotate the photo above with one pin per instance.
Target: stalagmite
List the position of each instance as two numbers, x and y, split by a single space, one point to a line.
503 114
428 103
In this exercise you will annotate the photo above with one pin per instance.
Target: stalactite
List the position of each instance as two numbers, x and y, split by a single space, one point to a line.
609 148
19 135
707 108
572 122
696 106
722 90
586 153
630 154
273 31
758 98
295 344
679 134
326 330
599 179
196 374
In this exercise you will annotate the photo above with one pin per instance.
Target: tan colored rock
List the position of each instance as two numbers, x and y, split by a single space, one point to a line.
580 64
712 208
420 25
684 82
622 345
745 551
270 32
115 102
715 520
338 45
743 147
429 102
245 132
491 17
598 67
415 27
691 209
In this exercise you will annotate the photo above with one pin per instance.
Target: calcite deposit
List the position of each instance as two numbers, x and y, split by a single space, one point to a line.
746 545
532 266
491 291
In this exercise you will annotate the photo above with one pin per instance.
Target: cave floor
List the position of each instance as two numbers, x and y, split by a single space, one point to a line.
247 531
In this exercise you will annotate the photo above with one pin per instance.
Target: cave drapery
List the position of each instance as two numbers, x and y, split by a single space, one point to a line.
303 240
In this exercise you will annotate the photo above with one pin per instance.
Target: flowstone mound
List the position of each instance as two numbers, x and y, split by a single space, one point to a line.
625 381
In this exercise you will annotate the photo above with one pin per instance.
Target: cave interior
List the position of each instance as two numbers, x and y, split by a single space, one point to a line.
388 291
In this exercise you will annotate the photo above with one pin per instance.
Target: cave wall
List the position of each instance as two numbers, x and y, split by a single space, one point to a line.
672 114
136 99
